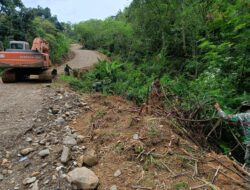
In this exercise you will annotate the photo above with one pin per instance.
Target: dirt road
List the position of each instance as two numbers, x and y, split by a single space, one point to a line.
83 58
21 101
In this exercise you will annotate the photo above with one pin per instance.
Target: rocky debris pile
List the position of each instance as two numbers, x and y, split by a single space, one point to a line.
50 154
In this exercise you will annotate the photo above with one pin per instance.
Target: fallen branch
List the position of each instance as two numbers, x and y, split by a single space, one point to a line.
214 187
142 152
215 175
187 153
197 187
180 174
142 176
232 179
193 120
241 169
217 124
173 174
237 140
195 168
239 174
140 187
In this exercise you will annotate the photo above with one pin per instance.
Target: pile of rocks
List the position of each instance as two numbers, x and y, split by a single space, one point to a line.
50 154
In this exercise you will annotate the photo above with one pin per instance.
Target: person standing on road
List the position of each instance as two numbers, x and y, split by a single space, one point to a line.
243 119
67 70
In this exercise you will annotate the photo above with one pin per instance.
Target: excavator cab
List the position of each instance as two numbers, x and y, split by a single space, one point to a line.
19 46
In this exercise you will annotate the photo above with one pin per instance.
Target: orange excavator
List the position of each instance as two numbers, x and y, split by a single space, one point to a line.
21 62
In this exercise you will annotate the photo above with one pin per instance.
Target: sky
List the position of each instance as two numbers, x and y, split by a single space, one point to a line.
75 11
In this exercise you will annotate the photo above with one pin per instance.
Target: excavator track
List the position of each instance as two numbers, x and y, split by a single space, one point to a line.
9 76
17 75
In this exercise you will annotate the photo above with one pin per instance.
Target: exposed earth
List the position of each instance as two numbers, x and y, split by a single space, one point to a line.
53 138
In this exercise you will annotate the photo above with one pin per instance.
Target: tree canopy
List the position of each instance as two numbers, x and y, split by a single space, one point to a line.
20 23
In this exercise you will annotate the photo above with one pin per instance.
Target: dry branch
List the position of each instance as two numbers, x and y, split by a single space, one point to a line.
236 172
140 187
215 175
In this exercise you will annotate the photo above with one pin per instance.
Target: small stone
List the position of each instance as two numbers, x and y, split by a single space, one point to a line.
75 148
80 138
44 165
35 186
42 142
89 158
16 187
23 159
29 180
44 153
26 151
65 155
135 136
60 121
64 176
55 109
1 177
87 107
8 154
83 178
82 104
113 187
68 106
35 174
117 173
83 147
46 182
69 140
28 139
59 168
54 178
40 130
5 163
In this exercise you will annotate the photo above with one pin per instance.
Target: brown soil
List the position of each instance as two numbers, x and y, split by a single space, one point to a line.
159 159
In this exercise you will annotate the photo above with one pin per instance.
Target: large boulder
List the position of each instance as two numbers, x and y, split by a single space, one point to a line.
83 178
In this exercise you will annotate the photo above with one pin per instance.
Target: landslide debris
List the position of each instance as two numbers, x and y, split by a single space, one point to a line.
93 141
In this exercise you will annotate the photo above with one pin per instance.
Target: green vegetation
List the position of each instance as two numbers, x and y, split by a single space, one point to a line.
20 23
198 49
180 185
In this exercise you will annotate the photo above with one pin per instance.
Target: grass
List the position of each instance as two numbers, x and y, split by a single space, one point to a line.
180 185
153 132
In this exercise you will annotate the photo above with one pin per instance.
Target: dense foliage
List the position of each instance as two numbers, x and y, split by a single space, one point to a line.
200 50
204 44
20 23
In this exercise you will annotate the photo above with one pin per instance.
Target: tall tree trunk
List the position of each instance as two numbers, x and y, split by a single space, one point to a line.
183 32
